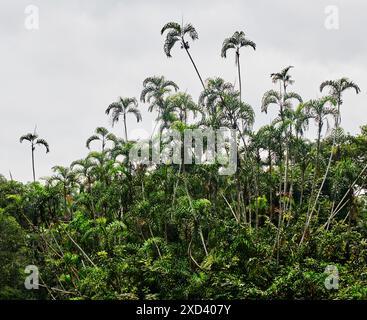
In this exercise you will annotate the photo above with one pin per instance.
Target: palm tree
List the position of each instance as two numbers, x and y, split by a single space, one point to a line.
336 89
283 101
284 78
319 110
122 107
236 42
67 178
83 170
211 102
300 120
33 139
155 89
176 33
234 109
167 116
103 135
154 92
182 103
101 164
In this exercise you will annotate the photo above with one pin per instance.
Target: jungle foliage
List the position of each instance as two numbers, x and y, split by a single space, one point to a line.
106 227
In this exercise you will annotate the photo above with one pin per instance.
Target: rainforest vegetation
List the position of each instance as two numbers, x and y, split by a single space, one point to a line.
106 227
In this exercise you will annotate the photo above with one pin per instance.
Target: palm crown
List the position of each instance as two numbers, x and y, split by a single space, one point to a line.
155 89
122 107
35 141
103 135
336 87
177 33
283 77
237 41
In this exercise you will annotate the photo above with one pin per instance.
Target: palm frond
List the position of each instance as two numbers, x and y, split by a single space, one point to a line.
112 106
248 43
293 95
227 44
44 143
28 137
328 83
189 28
90 140
137 114
171 25
168 45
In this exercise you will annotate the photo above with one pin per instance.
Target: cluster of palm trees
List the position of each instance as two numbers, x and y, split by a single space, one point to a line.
220 104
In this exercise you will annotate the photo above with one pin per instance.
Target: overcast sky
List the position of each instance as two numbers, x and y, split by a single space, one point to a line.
85 54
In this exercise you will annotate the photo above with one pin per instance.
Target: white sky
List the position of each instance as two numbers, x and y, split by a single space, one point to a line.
87 53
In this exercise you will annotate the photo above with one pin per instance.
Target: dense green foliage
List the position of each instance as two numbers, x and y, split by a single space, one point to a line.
110 228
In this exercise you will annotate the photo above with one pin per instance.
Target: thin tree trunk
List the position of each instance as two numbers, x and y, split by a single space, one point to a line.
310 209
302 185
65 203
196 69
239 74
33 169
125 127
318 149
270 185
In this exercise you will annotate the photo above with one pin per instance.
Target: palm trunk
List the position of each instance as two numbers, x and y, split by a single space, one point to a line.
310 209
65 202
33 168
193 63
239 73
318 148
270 185
202 240
286 175
302 185
125 127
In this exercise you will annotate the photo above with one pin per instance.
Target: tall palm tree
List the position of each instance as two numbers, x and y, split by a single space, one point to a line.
284 101
122 107
154 91
319 110
103 135
236 42
35 141
177 33
284 79
336 89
